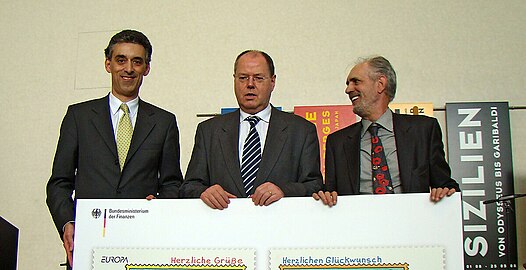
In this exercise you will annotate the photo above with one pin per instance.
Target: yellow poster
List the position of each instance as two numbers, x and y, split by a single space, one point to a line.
412 108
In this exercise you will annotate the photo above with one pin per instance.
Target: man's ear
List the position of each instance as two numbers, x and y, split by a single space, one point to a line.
273 81
147 70
382 83
107 65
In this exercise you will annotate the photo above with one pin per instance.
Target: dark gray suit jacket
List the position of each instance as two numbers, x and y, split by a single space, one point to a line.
420 150
290 159
86 159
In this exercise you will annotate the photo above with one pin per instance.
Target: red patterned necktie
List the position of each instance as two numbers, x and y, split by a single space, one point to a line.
382 183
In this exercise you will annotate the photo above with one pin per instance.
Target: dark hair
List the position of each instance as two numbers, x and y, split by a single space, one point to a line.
270 63
381 66
130 36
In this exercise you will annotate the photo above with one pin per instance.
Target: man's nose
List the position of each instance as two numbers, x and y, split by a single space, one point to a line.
128 67
349 89
251 82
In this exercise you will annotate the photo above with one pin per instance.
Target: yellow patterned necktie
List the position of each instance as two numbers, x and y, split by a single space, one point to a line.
124 135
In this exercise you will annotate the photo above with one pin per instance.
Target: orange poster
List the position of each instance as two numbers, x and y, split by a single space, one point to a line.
327 119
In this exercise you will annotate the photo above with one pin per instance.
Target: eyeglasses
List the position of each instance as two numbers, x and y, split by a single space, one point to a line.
246 78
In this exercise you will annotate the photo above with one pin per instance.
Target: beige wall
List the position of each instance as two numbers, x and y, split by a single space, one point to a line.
51 55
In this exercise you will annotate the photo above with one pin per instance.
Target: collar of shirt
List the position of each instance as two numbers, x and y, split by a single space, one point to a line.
115 103
264 114
261 127
385 121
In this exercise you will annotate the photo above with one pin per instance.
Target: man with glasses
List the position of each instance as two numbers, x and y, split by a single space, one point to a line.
256 151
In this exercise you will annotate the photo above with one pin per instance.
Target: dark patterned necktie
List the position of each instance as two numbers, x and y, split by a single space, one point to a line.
251 155
382 183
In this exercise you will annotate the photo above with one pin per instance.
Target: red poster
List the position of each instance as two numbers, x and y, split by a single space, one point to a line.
327 119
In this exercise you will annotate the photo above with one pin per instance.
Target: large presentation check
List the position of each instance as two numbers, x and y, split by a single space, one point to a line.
401 231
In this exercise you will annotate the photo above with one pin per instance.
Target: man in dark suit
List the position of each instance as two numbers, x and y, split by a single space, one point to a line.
287 145
90 160
412 145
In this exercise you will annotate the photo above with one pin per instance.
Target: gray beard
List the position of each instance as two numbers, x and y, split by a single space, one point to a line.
361 110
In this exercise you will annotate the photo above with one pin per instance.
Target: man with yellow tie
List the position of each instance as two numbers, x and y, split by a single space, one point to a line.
118 146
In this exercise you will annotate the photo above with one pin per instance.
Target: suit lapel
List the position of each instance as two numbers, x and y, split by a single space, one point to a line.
143 126
404 148
276 138
228 140
352 154
102 122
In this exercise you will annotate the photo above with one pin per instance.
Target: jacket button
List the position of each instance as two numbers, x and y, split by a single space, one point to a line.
118 191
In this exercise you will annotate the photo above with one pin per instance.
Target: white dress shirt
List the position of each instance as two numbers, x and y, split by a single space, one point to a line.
261 128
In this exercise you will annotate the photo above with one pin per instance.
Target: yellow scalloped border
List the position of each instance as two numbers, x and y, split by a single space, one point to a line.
183 266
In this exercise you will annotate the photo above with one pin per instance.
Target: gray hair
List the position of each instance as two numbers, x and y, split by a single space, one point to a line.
381 66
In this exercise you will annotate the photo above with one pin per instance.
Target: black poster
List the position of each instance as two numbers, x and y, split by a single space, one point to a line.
479 146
